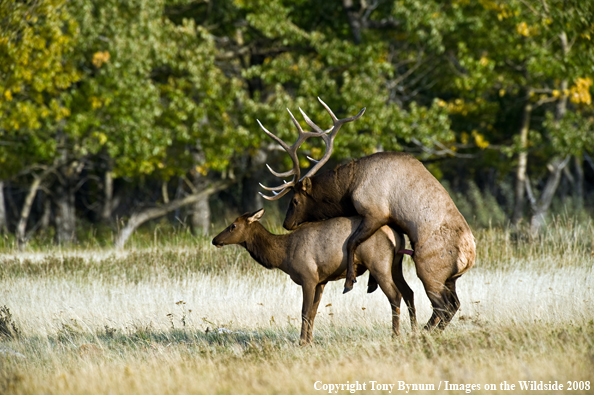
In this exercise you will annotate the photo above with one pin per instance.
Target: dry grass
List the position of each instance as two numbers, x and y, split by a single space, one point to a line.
151 321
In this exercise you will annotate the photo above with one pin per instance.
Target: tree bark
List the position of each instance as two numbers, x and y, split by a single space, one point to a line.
138 219
522 165
200 216
3 221
250 198
555 166
64 199
108 202
579 181
25 211
46 216
541 208
354 20
250 188
65 218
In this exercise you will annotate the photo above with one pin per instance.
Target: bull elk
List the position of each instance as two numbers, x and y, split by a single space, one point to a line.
315 254
386 188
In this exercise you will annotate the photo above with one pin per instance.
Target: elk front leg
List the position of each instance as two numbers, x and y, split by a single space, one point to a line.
365 230
309 291
314 311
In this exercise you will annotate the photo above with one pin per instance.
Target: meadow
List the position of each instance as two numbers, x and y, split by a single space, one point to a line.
171 314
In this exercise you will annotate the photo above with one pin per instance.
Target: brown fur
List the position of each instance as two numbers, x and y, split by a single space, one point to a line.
395 189
315 254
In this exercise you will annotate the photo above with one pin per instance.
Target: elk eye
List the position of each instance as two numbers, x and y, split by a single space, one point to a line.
232 227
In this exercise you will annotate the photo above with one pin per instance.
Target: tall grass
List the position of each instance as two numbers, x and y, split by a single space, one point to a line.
173 314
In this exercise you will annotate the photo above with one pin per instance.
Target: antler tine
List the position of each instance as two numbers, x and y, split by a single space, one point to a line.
329 135
280 175
277 195
311 123
296 123
328 109
282 143
278 188
292 151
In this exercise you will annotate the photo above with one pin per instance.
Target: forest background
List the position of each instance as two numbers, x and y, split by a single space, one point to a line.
115 113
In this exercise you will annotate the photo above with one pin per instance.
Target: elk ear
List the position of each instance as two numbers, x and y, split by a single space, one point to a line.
255 216
306 185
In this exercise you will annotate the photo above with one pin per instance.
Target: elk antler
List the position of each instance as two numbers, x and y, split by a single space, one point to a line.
328 137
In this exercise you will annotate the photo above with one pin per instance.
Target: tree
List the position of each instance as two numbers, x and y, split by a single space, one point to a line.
36 42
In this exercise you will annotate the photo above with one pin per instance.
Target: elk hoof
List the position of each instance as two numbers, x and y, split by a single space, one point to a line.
347 289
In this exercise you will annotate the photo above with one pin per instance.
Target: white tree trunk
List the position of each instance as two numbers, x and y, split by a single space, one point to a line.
522 165
3 221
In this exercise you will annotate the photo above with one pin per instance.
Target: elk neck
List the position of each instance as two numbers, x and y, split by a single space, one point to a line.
267 249
330 189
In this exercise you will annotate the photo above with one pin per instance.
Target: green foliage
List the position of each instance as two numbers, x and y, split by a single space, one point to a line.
157 88
37 41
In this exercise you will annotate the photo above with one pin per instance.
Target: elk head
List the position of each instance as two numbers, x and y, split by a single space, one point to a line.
238 231
303 206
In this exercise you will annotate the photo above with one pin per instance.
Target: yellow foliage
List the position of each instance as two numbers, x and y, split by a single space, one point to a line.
95 102
501 92
484 61
580 91
202 170
101 137
556 93
479 140
464 138
99 58
441 103
316 152
522 28
8 95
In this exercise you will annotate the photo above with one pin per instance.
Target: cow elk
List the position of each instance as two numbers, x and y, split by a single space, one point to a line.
315 254
386 188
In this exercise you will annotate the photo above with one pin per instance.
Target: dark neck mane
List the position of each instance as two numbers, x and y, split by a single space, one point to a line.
332 188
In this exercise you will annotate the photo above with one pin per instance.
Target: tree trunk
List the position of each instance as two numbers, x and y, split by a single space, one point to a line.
138 219
3 221
354 21
250 183
541 208
579 181
25 211
46 216
65 217
555 166
250 198
108 201
200 216
522 165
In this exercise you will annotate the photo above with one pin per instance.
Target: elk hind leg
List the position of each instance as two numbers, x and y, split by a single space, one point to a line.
371 284
407 293
395 298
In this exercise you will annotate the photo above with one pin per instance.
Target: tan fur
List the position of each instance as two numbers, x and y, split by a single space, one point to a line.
316 253
395 189
387 188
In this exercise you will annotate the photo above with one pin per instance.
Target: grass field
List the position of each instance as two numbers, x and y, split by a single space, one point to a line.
174 315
